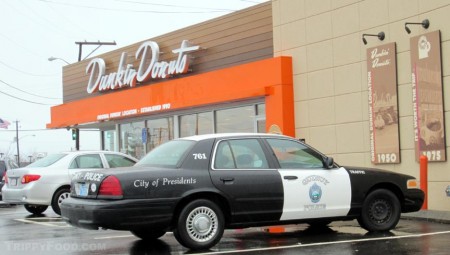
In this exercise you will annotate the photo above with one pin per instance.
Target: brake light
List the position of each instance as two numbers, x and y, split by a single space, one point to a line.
5 178
30 178
110 186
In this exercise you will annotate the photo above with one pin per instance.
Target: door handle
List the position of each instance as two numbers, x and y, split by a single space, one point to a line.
290 177
226 179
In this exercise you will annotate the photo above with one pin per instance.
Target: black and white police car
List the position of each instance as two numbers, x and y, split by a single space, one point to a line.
198 186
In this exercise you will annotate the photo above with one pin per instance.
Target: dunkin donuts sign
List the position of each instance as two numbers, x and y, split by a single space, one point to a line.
383 106
428 109
149 68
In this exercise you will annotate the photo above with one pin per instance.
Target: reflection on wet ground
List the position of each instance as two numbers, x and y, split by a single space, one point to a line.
47 234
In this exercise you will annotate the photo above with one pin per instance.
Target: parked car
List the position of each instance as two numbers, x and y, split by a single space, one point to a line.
198 186
46 182
5 165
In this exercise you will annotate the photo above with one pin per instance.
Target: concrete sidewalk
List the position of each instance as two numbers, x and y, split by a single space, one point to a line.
429 215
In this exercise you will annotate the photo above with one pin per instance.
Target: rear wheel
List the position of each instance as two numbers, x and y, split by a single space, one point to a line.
146 234
200 225
58 197
381 211
36 209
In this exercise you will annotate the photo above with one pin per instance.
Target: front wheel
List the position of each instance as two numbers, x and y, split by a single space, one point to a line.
36 209
381 211
200 225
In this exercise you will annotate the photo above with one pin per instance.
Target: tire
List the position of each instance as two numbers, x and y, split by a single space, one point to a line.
380 212
58 197
36 209
200 225
148 235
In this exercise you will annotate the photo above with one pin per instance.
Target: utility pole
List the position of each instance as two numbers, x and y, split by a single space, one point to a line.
17 142
80 47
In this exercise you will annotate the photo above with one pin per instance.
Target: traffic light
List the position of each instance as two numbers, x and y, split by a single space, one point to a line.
74 134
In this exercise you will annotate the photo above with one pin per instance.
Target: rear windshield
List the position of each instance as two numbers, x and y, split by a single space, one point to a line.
47 161
168 154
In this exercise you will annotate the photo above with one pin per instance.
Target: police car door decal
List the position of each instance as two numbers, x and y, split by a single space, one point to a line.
315 193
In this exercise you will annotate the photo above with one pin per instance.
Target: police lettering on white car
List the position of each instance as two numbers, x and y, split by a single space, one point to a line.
198 186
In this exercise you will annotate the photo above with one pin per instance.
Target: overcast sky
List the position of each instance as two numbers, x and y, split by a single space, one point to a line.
31 31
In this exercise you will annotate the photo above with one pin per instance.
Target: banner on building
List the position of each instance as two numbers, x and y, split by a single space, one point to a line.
383 104
428 108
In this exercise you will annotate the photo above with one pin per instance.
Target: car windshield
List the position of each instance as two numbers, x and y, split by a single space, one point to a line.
168 154
47 161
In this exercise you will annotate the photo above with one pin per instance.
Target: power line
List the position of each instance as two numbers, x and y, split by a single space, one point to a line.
36 22
24 99
19 45
172 5
126 10
11 86
23 72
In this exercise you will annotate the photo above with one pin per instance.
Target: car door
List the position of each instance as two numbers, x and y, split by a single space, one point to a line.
310 189
241 171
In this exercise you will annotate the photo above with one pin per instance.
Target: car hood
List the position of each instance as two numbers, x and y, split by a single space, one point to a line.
370 171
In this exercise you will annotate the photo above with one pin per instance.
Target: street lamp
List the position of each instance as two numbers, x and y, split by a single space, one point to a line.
54 58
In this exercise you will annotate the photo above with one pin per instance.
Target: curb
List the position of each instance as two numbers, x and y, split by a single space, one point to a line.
428 215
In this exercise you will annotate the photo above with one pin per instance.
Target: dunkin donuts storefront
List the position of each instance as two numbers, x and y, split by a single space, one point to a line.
299 68
188 82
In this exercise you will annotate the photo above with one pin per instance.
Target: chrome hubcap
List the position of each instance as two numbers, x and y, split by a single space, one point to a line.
202 224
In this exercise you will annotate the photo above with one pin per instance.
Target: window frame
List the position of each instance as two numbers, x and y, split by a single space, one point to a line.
74 160
316 153
263 150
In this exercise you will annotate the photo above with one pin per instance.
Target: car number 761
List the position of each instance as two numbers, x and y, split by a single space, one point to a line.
199 156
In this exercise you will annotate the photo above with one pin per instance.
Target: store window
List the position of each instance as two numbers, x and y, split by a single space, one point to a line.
159 132
109 140
261 118
139 138
236 120
131 139
196 124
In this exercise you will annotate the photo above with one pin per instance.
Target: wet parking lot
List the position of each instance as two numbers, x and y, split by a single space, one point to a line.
20 233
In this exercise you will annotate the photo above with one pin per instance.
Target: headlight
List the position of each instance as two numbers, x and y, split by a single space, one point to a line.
412 184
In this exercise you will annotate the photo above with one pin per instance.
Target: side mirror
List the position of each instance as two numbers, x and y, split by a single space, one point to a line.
329 162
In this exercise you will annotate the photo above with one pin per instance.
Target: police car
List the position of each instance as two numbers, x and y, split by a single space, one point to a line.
198 186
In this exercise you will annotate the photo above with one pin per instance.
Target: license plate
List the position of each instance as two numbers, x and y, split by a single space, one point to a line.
13 181
81 189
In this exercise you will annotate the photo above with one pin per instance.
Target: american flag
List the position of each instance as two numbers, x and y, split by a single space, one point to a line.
4 123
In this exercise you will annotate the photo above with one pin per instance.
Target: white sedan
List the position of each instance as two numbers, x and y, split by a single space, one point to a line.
46 182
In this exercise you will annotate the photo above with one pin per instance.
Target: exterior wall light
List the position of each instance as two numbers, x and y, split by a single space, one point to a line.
380 36
425 24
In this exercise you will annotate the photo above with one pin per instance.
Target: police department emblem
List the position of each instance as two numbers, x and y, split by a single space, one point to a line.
315 193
